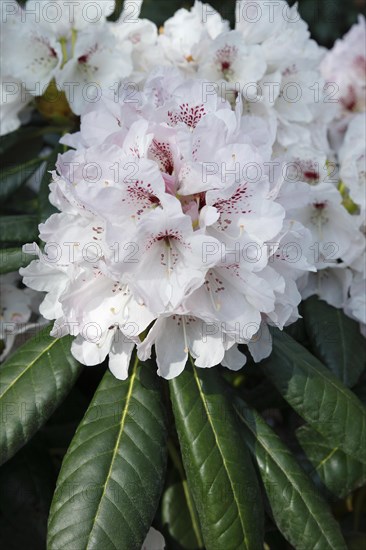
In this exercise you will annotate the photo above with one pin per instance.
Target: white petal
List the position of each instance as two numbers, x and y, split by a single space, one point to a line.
120 356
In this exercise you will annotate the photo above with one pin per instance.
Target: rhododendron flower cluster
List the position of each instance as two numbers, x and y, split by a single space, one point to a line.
160 246
218 178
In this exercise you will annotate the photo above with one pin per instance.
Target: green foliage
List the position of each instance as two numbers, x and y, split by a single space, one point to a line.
11 259
180 517
218 465
33 382
114 466
316 395
298 509
18 229
12 178
336 340
339 472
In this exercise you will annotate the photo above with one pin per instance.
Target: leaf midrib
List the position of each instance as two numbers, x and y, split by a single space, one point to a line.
177 463
45 350
115 450
327 377
202 395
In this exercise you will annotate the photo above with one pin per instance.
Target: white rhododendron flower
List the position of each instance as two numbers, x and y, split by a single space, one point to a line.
230 60
337 241
287 90
344 69
344 65
334 230
185 36
170 225
97 58
73 45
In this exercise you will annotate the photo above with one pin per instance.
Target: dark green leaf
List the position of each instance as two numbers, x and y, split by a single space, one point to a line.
340 473
27 483
15 139
336 340
113 473
317 395
178 519
299 511
217 463
33 382
22 203
26 143
18 229
11 259
13 177
179 516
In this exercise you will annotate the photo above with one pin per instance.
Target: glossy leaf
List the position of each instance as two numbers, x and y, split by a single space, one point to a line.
18 229
339 473
11 259
182 530
33 382
115 467
335 339
177 518
317 395
299 511
217 463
